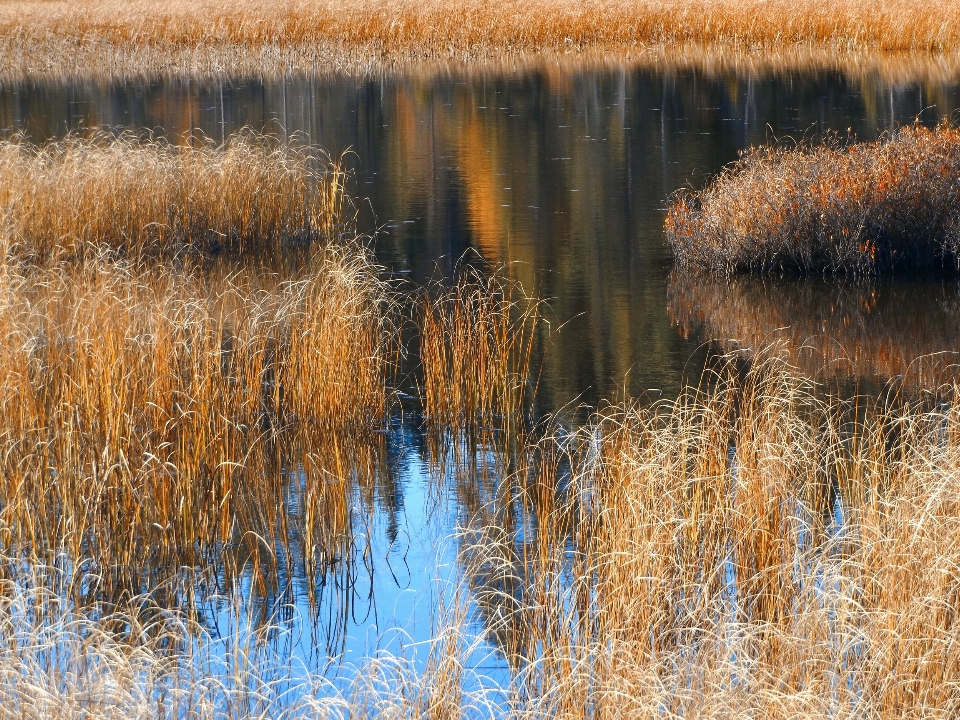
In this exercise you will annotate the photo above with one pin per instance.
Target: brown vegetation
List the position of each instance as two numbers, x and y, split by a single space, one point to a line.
141 195
476 342
160 411
153 419
888 205
747 549
140 37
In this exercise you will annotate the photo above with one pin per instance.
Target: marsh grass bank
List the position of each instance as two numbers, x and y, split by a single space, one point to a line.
752 547
174 412
124 38
848 207
157 420
146 196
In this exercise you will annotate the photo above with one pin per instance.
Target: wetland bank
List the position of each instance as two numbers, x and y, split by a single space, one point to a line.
436 428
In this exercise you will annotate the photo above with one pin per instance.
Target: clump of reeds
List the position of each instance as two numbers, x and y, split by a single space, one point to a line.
158 417
748 549
133 37
476 344
146 195
882 206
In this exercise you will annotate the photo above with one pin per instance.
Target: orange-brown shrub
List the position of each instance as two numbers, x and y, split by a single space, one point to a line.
888 205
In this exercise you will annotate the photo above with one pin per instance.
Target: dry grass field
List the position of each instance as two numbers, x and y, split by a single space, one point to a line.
176 413
122 38
749 549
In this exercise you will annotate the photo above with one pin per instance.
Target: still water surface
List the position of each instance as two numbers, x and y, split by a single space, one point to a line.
559 176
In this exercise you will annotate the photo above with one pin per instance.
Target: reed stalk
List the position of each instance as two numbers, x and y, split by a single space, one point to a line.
476 352
752 548
156 418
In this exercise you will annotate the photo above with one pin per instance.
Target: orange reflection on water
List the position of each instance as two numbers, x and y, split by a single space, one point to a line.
872 330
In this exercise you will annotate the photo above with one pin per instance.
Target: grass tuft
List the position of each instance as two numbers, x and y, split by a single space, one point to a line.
476 346
147 196
861 208
155 418
751 548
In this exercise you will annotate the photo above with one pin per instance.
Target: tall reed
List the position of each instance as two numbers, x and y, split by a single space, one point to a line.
153 418
146 195
751 548
476 351
860 207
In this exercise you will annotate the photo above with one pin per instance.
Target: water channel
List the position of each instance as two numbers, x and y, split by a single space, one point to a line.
559 177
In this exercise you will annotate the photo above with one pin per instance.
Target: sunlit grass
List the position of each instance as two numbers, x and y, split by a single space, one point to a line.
169 423
751 548
140 195
157 418
476 344
859 208
144 38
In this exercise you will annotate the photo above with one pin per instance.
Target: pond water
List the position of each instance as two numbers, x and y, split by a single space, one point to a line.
559 176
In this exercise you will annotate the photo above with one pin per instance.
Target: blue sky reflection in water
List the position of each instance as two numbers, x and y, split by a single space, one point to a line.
559 174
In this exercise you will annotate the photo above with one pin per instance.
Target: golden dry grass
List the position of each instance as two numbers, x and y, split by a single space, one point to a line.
476 344
141 195
159 418
884 206
131 37
164 412
750 549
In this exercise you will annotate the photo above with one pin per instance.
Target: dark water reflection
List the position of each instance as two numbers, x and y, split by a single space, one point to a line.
868 331
561 176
